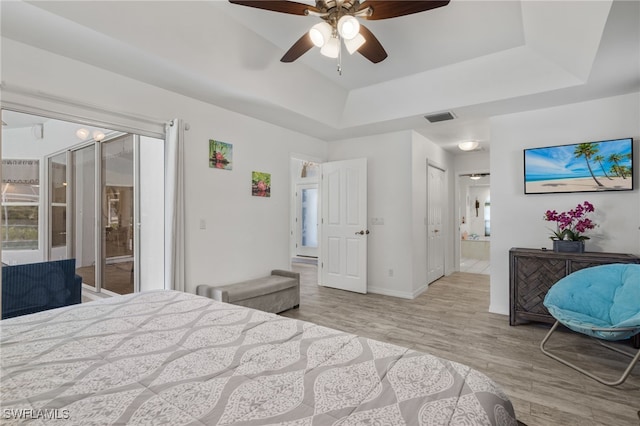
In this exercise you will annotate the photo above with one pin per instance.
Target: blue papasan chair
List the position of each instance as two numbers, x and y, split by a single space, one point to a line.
602 302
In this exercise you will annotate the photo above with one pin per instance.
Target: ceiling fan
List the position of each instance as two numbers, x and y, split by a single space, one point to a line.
339 22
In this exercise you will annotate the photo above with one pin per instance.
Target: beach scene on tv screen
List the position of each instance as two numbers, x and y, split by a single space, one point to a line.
592 166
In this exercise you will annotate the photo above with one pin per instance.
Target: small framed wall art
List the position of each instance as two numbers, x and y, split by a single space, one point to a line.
260 184
220 155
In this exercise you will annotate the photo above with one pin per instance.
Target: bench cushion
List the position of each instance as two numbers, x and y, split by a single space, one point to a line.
258 287
276 293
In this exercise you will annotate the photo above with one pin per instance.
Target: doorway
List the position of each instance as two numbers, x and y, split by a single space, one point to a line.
474 219
305 178
335 197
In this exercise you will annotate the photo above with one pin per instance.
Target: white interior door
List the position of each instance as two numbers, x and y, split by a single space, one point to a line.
435 206
343 253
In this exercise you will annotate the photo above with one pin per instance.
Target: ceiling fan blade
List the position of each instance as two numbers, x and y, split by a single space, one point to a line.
292 7
372 49
298 49
384 9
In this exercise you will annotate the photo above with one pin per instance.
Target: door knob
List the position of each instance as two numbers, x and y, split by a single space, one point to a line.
362 232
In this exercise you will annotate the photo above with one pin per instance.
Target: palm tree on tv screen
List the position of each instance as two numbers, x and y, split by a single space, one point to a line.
617 158
587 150
599 159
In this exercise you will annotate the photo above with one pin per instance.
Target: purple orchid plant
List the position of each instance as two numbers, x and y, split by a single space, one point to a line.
571 224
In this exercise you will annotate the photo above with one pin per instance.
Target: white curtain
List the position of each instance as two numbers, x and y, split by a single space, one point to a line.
174 207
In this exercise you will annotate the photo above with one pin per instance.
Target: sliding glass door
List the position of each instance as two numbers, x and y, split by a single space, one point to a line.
102 180
81 191
118 236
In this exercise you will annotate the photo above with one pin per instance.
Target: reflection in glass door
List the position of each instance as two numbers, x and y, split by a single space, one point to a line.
84 202
118 215
103 244
57 166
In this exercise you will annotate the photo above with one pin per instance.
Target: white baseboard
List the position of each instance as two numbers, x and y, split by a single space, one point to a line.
387 292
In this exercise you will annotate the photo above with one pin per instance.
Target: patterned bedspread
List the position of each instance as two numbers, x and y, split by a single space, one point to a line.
174 358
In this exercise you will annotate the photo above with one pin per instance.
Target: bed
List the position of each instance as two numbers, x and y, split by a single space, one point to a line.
166 357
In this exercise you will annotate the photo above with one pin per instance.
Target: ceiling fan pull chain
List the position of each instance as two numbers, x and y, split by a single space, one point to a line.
340 57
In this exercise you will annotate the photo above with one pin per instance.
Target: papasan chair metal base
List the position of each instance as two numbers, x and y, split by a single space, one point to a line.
634 360
602 302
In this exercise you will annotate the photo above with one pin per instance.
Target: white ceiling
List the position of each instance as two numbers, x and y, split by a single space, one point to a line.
475 58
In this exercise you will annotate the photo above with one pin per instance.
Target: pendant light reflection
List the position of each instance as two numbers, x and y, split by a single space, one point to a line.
82 133
97 135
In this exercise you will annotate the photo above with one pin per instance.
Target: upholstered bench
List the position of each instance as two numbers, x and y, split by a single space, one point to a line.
276 293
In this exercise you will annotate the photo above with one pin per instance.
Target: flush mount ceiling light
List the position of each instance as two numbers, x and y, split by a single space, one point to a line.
475 176
340 23
468 145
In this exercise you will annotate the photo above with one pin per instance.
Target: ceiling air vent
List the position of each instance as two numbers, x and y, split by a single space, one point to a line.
441 116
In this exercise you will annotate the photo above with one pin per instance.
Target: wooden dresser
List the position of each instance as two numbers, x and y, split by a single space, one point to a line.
533 271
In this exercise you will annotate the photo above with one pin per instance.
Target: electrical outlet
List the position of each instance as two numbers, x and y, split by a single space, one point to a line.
390 272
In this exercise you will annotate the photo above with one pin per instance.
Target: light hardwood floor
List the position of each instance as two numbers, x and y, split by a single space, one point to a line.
451 320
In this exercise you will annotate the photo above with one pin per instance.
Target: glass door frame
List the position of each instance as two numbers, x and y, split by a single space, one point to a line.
99 237
49 203
101 206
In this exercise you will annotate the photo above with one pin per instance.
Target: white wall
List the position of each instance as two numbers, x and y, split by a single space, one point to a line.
517 218
245 236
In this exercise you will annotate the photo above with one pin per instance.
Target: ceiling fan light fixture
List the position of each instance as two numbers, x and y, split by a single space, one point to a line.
331 48
348 27
320 33
354 44
468 145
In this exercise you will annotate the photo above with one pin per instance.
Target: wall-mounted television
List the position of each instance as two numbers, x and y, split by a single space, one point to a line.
582 167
